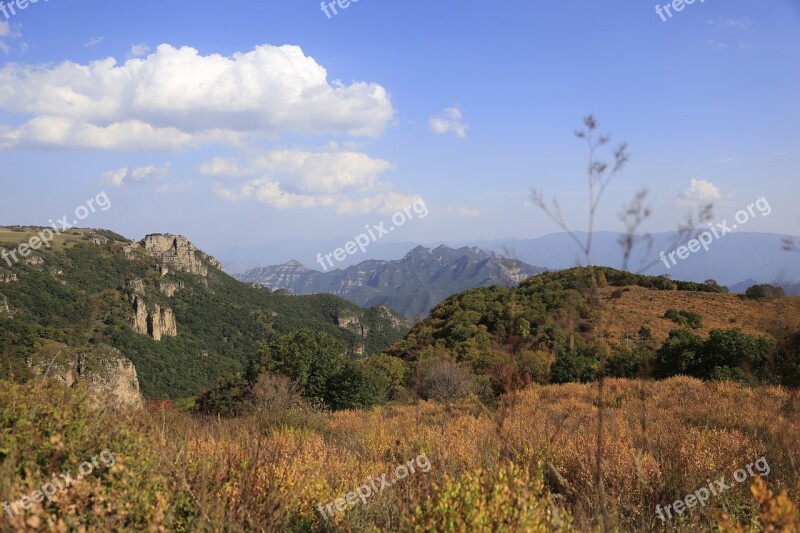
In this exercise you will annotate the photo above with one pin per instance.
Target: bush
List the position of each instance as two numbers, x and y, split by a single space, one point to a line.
679 355
227 399
726 354
509 499
758 292
685 318
443 380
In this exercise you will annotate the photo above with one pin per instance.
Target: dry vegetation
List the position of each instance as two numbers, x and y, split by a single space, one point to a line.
525 467
633 307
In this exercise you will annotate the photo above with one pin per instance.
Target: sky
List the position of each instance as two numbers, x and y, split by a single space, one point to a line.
253 121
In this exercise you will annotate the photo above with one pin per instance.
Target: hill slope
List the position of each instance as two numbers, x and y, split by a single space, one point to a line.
411 286
166 306
545 330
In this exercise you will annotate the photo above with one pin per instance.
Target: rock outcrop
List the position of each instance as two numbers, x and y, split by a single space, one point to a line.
108 374
169 288
351 323
177 252
158 323
161 323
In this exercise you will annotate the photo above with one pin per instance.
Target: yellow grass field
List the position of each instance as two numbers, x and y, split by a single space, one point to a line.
526 467
636 307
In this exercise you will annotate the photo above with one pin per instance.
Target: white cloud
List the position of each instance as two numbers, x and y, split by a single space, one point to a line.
326 172
450 120
270 192
139 50
176 98
7 33
94 41
296 179
737 24
700 192
125 175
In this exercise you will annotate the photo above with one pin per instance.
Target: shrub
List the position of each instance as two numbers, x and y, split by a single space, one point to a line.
509 499
680 354
724 355
758 292
226 399
443 380
685 318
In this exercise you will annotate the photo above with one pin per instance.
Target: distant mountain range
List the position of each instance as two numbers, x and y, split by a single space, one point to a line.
410 286
731 260
734 258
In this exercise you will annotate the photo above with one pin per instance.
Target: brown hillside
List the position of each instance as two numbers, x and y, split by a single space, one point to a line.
631 308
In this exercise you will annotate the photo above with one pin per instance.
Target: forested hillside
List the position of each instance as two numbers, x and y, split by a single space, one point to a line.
83 291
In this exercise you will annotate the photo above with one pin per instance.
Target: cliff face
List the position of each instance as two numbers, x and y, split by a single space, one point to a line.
169 288
159 322
178 253
107 373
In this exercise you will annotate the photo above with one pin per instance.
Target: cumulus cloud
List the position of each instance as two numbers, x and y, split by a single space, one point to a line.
700 192
296 179
325 172
450 120
176 98
270 192
127 176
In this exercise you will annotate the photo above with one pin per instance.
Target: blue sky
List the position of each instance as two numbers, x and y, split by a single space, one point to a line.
246 122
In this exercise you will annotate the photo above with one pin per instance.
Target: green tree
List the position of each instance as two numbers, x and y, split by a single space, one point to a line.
307 357
680 354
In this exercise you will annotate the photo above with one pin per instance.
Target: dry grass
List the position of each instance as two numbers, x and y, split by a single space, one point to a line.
637 307
10 238
269 473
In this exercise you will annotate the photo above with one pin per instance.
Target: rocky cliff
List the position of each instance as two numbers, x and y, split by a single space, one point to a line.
107 373
156 322
172 253
178 253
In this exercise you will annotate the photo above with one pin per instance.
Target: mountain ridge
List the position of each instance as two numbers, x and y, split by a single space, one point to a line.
411 285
